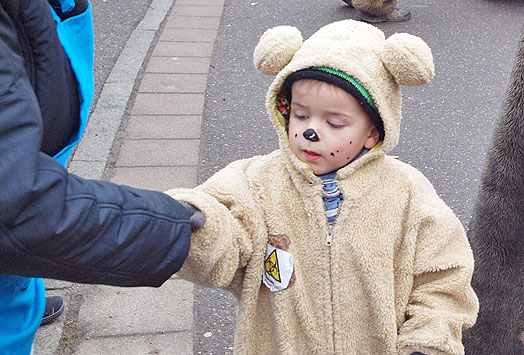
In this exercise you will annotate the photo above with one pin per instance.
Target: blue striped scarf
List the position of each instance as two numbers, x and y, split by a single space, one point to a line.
331 194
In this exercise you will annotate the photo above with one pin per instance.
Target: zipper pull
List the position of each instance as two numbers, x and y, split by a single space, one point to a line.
329 237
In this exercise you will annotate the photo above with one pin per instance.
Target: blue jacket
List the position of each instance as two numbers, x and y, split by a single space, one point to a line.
54 224
76 36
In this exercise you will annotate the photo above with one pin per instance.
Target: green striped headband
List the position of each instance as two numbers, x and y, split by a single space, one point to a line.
365 93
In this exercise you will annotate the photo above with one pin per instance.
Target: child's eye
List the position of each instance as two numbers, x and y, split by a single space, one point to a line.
335 125
299 116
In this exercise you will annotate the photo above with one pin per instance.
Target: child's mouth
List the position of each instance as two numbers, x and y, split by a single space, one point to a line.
311 156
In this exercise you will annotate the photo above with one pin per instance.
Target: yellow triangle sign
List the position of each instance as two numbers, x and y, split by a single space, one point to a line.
271 265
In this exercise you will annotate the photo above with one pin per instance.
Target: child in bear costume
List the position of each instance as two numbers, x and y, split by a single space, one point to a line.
497 232
330 245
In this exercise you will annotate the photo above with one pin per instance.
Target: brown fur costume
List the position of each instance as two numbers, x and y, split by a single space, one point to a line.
497 233
374 7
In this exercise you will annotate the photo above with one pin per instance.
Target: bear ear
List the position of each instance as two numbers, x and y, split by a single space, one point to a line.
276 48
408 58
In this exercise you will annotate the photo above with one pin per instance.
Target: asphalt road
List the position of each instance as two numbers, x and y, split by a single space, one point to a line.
447 125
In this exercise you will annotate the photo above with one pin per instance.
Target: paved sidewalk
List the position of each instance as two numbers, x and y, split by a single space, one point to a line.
143 132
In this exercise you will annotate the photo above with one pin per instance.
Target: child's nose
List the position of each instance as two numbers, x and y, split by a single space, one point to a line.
311 135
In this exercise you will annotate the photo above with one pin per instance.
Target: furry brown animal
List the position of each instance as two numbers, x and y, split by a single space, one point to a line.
497 232
374 7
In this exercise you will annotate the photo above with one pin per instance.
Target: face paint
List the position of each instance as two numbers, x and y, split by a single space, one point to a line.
311 135
314 104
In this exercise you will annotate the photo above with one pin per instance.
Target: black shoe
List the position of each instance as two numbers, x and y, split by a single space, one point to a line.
348 2
54 306
397 15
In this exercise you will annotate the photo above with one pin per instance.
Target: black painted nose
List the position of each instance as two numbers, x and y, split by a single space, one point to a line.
311 135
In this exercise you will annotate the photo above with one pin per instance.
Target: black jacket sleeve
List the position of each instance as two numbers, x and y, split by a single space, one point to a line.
57 225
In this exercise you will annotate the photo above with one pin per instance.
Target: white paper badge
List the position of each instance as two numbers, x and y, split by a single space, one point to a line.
278 268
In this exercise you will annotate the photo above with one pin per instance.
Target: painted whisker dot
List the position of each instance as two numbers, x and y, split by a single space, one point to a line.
350 142
296 135
332 154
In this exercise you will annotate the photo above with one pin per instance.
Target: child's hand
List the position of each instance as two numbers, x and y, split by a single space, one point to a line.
196 218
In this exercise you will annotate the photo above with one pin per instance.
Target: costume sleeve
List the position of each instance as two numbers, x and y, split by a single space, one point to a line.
57 225
224 245
442 302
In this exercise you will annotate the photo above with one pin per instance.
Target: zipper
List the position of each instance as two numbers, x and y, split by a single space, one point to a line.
329 242
330 233
329 236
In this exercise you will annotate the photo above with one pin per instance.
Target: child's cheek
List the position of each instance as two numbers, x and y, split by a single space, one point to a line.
292 134
343 152
293 140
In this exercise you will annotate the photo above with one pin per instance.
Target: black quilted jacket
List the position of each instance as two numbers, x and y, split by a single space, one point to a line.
54 224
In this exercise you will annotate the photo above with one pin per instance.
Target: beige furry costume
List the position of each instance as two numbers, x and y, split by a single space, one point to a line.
396 278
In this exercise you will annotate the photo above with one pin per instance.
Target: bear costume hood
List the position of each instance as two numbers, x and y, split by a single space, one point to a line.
357 49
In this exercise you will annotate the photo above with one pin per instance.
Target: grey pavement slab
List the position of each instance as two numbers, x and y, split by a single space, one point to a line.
184 49
158 152
175 343
202 10
201 2
181 83
178 65
163 126
192 22
110 311
168 104
157 178
182 35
